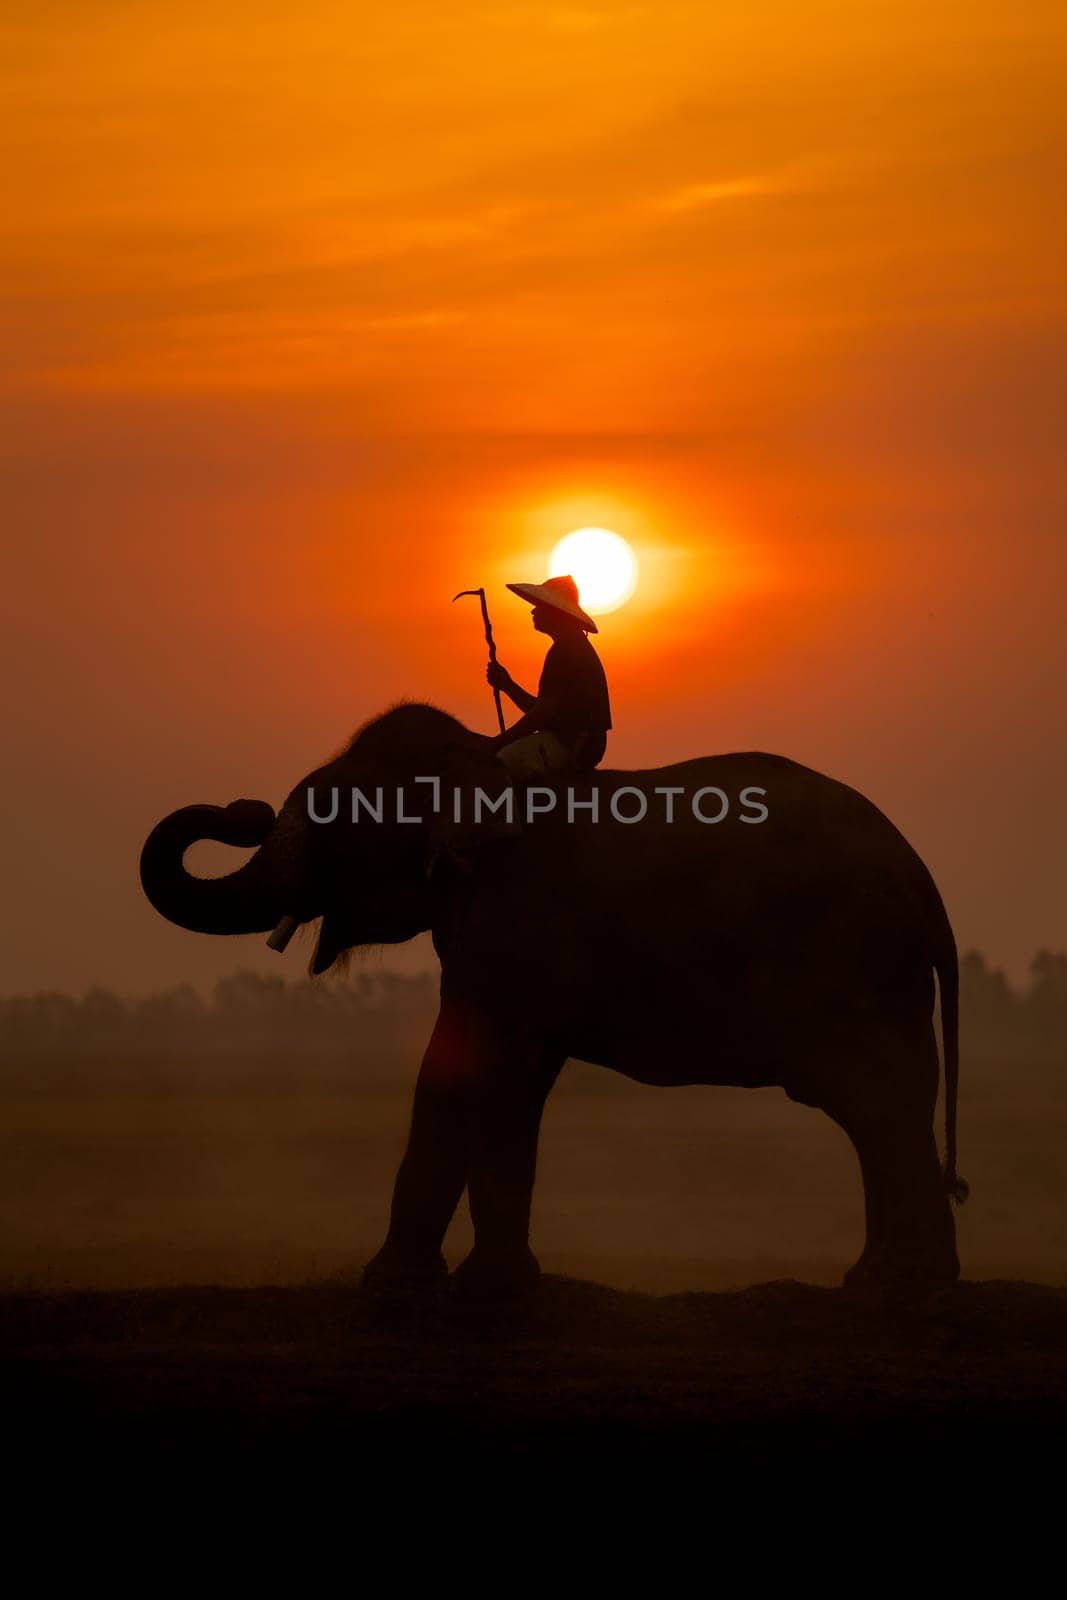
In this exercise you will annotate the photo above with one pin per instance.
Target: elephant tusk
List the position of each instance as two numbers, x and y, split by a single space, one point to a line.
283 933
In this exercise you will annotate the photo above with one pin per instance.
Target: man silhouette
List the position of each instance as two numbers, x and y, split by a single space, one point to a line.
564 726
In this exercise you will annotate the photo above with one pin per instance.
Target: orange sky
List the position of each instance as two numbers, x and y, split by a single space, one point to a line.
313 316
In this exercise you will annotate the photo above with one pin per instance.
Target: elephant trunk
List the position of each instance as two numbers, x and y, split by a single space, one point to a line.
250 900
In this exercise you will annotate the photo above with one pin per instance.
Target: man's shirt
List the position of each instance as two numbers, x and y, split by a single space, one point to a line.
572 680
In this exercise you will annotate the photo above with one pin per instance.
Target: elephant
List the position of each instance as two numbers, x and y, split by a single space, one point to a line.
797 948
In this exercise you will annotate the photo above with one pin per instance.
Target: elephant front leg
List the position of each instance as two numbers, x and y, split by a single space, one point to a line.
504 1129
433 1172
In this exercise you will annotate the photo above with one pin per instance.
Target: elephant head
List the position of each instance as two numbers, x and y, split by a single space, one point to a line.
369 884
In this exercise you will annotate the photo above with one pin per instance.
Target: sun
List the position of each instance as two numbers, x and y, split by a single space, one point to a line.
602 565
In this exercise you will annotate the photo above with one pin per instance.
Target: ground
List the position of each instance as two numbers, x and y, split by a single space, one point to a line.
779 1370
692 1240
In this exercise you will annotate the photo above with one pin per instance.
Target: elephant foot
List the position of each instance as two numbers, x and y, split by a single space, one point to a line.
902 1276
862 1274
493 1278
394 1275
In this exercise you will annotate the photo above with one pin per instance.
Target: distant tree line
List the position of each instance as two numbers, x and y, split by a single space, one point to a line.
245 1012
997 1020
251 1012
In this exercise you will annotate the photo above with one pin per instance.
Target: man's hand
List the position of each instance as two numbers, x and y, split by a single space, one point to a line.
501 679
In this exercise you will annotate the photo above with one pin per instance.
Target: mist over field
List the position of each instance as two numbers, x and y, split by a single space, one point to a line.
253 1138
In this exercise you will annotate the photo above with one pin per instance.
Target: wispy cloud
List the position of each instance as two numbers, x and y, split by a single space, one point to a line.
695 196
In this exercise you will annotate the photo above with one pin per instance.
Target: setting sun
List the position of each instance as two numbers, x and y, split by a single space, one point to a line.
602 565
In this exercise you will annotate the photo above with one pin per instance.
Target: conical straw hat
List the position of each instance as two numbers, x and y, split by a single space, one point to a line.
562 593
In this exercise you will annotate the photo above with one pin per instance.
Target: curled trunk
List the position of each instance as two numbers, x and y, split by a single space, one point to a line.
250 900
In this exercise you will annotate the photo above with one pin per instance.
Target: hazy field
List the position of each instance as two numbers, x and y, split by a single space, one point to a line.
261 1170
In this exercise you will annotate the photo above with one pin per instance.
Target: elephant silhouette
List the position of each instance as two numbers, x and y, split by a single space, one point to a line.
797 947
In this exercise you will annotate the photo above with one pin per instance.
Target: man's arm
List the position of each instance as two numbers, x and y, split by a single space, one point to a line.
500 678
539 715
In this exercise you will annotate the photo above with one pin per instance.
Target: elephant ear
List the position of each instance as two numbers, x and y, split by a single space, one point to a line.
479 805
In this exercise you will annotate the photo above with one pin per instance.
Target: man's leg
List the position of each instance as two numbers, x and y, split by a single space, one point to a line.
536 756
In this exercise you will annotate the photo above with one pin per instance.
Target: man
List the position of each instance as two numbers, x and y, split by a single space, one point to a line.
564 726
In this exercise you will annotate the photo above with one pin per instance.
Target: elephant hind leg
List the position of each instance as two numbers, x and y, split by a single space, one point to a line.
920 1235
911 1235
888 1111
867 1267
863 1133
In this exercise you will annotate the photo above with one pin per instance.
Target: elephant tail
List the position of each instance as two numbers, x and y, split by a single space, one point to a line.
947 967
